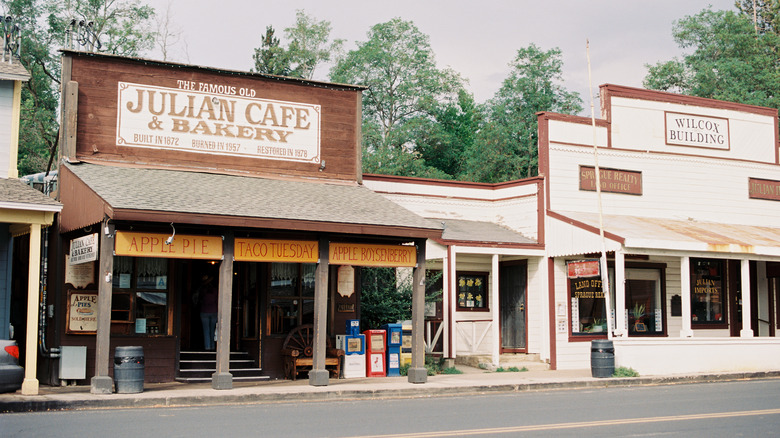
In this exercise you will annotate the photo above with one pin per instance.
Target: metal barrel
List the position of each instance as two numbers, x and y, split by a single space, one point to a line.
129 369
602 358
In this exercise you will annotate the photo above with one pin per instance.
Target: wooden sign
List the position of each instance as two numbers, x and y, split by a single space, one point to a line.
697 131
82 312
217 119
268 250
357 254
612 180
83 249
763 189
583 268
135 244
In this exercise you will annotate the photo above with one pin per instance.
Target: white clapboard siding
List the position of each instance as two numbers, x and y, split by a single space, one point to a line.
6 117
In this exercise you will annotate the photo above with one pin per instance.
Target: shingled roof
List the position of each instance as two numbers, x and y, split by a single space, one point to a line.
482 232
175 191
13 71
14 194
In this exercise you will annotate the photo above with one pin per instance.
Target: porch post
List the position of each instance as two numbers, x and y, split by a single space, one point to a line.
685 296
101 382
620 294
445 305
452 324
747 331
496 349
318 376
30 382
417 372
222 379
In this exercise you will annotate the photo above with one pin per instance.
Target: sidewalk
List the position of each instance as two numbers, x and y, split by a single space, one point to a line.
473 381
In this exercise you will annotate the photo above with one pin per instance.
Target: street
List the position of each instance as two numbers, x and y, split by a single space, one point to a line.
744 408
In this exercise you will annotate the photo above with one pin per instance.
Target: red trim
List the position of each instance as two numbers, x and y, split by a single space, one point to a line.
573 119
465 198
585 226
551 313
543 152
540 213
449 183
489 244
610 90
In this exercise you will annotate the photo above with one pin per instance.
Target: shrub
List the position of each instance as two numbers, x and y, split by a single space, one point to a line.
625 372
451 370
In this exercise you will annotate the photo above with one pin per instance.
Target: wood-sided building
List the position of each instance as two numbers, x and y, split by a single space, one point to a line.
177 171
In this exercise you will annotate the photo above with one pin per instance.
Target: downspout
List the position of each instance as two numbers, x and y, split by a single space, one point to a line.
54 352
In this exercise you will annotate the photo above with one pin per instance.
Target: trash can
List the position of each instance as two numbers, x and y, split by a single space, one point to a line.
602 358
129 369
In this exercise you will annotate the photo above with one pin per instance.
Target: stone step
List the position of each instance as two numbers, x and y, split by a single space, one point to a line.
506 361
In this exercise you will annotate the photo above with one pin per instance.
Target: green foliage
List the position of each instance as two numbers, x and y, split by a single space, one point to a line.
451 370
404 369
433 364
624 372
309 46
506 146
121 27
383 298
729 59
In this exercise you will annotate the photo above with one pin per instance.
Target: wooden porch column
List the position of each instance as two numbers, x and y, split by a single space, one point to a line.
494 300
318 376
620 294
747 330
101 382
417 372
30 382
222 379
685 295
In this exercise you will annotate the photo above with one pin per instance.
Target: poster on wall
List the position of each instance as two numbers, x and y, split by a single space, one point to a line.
79 276
82 312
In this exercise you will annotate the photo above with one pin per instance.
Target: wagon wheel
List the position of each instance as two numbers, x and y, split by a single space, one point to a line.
301 339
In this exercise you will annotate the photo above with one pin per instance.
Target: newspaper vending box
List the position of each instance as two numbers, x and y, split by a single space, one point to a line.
393 349
375 352
354 346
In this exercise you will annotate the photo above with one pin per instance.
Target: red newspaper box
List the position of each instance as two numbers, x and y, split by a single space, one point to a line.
375 352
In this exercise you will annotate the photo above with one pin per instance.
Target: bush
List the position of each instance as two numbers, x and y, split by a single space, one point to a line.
451 370
625 372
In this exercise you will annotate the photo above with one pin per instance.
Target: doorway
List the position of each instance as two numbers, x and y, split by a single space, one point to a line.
512 286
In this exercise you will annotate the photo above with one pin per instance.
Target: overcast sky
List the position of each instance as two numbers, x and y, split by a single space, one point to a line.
475 38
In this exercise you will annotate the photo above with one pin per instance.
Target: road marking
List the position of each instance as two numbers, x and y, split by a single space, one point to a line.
515 429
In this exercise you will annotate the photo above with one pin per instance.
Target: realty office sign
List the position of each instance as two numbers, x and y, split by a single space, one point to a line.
84 249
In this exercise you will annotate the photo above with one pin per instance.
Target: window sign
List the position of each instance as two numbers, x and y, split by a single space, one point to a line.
472 292
707 297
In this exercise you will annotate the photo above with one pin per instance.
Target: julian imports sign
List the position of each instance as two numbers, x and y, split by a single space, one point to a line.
217 119
698 131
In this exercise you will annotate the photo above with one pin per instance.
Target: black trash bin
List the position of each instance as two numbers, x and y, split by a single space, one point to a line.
602 358
129 369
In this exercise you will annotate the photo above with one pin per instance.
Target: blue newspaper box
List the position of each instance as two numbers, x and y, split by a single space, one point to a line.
353 327
394 341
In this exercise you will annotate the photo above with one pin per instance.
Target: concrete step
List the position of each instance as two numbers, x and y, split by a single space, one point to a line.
530 362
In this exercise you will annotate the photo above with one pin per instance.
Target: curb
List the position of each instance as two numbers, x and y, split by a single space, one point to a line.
44 404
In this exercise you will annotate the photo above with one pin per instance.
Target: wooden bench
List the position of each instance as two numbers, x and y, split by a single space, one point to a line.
298 349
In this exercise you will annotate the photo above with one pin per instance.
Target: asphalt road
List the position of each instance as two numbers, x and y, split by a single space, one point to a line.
746 408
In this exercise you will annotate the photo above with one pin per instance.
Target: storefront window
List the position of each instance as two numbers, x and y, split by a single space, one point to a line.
644 298
472 291
291 296
588 309
707 295
140 295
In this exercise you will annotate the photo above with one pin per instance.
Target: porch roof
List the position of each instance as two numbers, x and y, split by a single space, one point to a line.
158 195
649 233
456 230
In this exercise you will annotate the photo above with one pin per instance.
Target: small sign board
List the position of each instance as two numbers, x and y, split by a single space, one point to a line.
583 268
697 131
84 249
628 182
82 312
763 189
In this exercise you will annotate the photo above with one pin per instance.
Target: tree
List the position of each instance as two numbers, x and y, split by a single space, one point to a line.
729 60
404 89
765 12
270 57
310 44
505 147
121 26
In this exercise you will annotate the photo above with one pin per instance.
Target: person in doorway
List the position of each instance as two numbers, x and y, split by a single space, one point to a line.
207 297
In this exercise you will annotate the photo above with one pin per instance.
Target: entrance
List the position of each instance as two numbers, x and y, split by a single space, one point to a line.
512 285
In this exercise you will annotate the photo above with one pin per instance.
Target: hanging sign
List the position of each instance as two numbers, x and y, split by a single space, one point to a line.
84 249
82 312
135 244
267 250
358 254
583 268
217 119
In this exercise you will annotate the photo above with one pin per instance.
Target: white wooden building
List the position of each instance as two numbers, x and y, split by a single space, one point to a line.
690 201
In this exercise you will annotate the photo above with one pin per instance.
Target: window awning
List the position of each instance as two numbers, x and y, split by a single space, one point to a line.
572 233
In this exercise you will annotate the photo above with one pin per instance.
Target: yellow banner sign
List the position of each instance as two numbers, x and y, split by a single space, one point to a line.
266 250
128 243
355 254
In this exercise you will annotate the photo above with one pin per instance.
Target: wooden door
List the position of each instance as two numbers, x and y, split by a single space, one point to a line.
512 285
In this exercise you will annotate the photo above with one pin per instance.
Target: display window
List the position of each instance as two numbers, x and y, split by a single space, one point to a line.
472 291
140 296
291 297
707 291
588 308
644 301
